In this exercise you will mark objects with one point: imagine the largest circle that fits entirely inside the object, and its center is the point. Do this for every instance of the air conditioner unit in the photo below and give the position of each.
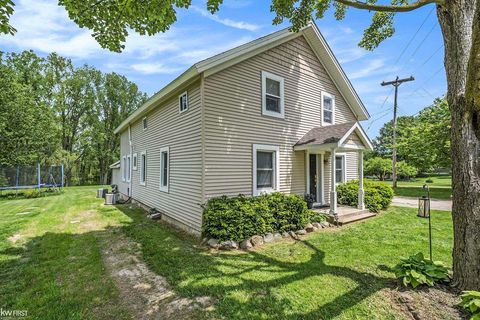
(101, 192)
(111, 198)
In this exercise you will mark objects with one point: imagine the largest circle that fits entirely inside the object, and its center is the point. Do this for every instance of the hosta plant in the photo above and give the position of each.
(471, 302)
(416, 270)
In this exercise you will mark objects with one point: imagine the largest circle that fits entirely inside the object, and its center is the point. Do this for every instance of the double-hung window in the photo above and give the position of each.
(135, 161)
(183, 102)
(273, 103)
(164, 168)
(340, 168)
(328, 108)
(129, 172)
(143, 168)
(124, 168)
(265, 169)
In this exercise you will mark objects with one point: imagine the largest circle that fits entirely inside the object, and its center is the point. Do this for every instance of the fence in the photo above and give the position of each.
(31, 177)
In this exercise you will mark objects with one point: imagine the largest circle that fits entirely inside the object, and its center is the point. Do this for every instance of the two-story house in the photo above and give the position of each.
(275, 114)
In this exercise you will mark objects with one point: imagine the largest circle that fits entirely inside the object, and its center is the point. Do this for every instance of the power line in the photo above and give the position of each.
(414, 35)
(423, 41)
(431, 56)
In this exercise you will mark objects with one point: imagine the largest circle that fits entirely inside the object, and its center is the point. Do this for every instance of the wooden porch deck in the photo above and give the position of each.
(346, 214)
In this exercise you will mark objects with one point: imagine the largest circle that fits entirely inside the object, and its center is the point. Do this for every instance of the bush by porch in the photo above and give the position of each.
(378, 196)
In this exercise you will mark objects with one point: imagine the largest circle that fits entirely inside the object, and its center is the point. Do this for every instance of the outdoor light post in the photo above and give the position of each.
(424, 212)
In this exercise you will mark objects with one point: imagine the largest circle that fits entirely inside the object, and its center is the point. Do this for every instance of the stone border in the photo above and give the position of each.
(258, 241)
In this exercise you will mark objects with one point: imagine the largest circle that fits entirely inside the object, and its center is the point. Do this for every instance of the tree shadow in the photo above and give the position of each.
(247, 284)
(58, 275)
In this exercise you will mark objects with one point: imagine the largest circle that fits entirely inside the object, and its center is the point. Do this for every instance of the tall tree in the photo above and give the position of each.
(423, 140)
(111, 21)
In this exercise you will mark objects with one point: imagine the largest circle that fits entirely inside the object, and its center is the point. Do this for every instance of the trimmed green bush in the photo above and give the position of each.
(378, 196)
(239, 218)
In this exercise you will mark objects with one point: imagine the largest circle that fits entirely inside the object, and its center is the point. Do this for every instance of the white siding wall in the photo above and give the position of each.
(180, 132)
(234, 121)
(124, 150)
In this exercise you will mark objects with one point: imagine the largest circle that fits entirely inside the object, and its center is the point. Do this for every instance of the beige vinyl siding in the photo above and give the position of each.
(181, 132)
(234, 120)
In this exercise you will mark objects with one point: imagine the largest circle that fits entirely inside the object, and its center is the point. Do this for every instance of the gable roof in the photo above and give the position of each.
(333, 135)
(233, 56)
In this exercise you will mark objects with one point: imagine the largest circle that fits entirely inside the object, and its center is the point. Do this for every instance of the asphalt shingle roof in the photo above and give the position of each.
(326, 134)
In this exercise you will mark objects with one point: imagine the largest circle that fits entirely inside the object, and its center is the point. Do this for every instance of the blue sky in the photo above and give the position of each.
(152, 62)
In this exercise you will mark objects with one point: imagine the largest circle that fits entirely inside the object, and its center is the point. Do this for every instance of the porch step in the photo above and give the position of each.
(352, 217)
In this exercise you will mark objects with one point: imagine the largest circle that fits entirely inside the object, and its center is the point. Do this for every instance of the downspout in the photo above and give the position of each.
(130, 167)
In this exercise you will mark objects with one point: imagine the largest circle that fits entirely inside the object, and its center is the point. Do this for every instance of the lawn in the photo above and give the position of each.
(440, 188)
(51, 263)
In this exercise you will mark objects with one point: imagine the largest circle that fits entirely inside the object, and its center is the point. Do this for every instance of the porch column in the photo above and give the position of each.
(361, 192)
(333, 188)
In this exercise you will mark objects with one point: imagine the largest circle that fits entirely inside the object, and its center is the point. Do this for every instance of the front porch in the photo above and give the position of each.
(346, 214)
(334, 155)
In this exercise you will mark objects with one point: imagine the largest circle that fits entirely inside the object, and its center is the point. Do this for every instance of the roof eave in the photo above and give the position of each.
(335, 71)
(161, 95)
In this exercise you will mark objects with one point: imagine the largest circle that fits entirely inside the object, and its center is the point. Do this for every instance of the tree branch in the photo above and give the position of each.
(388, 8)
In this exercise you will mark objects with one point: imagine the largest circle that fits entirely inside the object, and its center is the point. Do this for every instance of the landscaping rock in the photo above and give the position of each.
(294, 235)
(268, 238)
(301, 232)
(325, 224)
(228, 245)
(256, 241)
(317, 225)
(246, 244)
(277, 235)
(309, 228)
(204, 241)
(285, 234)
(213, 243)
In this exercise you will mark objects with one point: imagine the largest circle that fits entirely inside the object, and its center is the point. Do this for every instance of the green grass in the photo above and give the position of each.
(56, 271)
(440, 188)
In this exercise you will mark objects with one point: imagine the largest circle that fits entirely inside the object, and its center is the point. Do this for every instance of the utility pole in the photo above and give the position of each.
(396, 83)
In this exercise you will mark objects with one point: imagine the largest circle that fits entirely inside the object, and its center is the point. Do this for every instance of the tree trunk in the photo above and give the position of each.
(460, 24)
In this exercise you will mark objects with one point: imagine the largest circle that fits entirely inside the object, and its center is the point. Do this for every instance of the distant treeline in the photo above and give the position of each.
(52, 112)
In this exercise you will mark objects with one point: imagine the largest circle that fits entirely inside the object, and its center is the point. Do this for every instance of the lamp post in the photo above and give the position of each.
(424, 212)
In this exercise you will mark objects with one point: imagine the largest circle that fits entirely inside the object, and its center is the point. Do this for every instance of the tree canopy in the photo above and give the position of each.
(422, 140)
(52, 112)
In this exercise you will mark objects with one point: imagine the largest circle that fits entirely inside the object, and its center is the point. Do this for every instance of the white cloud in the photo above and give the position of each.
(154, 68)
(226, 22)
(45, 27)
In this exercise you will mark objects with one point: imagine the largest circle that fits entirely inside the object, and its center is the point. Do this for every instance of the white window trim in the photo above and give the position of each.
(135, 161)
(143, 183)
(129, 166)
(123, 166)
(266, 112)
(331, 96)
(276, 182)
(165, 188)
(179, 102)
(143, 123)
(344, 171)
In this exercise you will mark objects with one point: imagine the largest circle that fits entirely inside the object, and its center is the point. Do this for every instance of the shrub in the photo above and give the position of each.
(378, 167)
(416, 270)
(406, 171)
(318, 217)
(378, 196)
(32, 193)
(471, 302)
(429, 180)
(241, 217)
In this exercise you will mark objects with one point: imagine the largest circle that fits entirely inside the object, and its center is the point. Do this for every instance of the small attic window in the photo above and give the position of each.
(183, 102)
(145, 124)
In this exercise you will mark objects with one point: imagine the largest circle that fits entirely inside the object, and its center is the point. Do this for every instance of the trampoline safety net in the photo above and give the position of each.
(29, 177)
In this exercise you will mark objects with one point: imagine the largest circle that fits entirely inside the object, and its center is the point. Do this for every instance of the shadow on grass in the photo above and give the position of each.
(61, 275)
